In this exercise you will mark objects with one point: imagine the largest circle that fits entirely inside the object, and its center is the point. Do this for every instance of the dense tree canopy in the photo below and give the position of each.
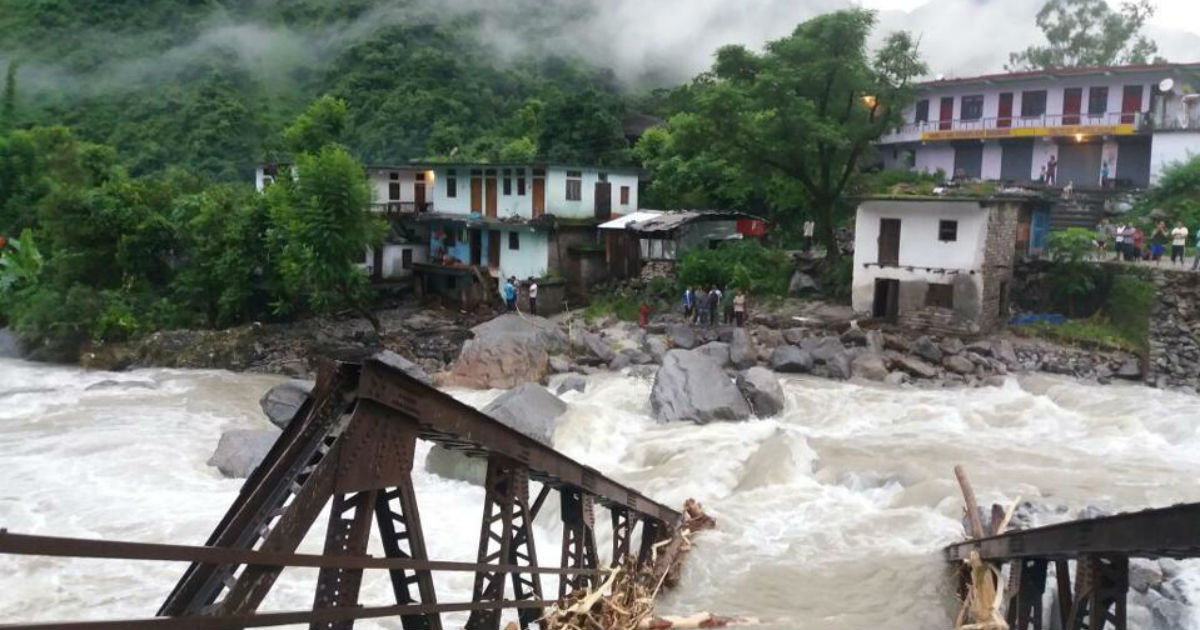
(1088, 33)
(791, 125)
(207, 85)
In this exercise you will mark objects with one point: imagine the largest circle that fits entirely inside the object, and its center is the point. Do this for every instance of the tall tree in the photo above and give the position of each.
(793, 122)
(1088, 33)
(8, 100)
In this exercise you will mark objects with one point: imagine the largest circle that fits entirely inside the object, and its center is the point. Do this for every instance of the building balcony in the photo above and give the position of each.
(1041, 126)
(396, 208)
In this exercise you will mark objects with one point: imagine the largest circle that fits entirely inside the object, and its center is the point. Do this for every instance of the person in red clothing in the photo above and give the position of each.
(644, 314)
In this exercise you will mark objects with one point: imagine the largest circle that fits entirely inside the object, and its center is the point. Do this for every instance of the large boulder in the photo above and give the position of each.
(869, 366)
(718, 351)
(927, 349)
(240, 451)
(839, 366)
(790, 359)
(10, 345)
(743, 353)
(682, 336)
(529, 408)
(657, 347)
(801, 284)
(690, 386)
(281, 402)
(1003, 349)
(596, 346)
(912, 365)
(505, 352)
(762, 390)
(824, 349)
(958, 363)
(572, 382)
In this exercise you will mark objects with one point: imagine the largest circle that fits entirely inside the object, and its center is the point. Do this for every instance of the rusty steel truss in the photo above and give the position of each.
(350, 446)
(1101, 549)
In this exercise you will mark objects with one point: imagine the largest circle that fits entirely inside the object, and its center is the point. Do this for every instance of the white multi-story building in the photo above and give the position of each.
(1125, 122)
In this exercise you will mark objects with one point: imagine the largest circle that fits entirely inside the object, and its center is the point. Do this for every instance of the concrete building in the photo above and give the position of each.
(1128, 121)
(523, 220)
(936, 263)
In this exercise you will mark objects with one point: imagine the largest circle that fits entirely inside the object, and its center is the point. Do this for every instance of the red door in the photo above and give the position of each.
(1131, 103)
(947, 114)
(1004, 117)
(1072, 99)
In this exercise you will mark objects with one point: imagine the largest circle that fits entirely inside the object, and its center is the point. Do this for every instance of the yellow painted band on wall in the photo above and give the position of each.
(1030, 132)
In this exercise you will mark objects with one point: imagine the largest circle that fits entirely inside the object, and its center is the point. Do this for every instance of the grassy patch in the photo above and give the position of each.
(1094, 332)
(601, 306)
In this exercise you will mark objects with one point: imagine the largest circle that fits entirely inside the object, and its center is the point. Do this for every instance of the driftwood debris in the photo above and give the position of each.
(983, 590)
(626, 598)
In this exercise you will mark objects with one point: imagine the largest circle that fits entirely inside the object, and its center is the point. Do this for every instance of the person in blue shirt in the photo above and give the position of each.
(510, 294)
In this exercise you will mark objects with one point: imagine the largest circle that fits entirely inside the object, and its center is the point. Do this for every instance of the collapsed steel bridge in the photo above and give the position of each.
(1101, 549)
(352, 444)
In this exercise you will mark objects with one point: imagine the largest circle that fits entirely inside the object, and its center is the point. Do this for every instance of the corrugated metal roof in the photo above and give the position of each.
(620, 222)
(670, 221)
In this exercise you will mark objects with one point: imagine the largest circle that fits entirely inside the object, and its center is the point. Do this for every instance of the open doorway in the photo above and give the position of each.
(887, 299)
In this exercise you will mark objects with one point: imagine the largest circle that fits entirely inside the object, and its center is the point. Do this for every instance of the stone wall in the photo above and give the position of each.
(999, 254)
(1174, 349)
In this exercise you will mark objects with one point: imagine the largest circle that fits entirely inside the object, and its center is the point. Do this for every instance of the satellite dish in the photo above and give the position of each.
(1166, 84)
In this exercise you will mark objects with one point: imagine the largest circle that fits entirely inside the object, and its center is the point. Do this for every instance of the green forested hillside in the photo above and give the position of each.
(205, 85)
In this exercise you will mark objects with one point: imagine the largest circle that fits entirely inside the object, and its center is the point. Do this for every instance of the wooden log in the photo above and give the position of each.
(969, 497)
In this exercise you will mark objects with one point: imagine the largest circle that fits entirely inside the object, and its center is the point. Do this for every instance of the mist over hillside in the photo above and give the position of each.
(206, 84)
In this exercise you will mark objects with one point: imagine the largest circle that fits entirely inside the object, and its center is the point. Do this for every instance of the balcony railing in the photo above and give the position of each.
(401, 207)
(1019, 126)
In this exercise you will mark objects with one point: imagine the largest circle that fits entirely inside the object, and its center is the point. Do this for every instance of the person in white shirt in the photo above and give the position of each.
(1178, 241)
(533, 296)
(1119, 237)
(809, 228)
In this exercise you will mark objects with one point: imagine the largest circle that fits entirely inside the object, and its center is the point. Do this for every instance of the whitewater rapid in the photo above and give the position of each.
(829, 516)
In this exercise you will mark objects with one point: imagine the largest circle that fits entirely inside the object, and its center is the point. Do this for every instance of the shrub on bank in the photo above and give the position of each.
(744, 264)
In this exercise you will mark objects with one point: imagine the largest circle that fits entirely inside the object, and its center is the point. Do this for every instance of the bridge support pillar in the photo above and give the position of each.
(1101, 585)
(506, 537)
(1026, 584)
(400, 527)
(622, 533)
(578, 539)
(349, 530)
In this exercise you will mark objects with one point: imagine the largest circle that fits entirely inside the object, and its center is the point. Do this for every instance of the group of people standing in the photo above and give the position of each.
(702, 306)
(1129, 242)
(510, 289)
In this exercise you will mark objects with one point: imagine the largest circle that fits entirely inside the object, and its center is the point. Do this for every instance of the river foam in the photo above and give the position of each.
(829, 516)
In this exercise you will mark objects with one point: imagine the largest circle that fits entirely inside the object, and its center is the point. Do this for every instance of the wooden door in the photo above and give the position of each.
(1072, 102)
(886, 305)
(419, 196)
(491, 196)
(476, 246)
(1131, 103)
(603, 200)
(1004, 116)
(889, 242)
(477, 195)
(494, 249)
(946, 115)
(539, 196)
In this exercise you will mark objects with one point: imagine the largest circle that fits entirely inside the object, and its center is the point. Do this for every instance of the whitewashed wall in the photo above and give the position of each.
(1170, 147)
(919, 244)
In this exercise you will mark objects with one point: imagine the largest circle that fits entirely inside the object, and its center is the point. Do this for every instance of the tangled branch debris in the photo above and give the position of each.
(982, 586)
(626, 598)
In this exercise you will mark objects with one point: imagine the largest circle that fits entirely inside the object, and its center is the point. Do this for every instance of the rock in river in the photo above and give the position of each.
(281, 402)
(530, 409)
(241, 450)
(505, 352)
(691, 386)
(762, 390)
(790, 359)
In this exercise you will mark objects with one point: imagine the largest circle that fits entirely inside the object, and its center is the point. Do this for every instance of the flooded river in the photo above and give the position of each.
(829, 516)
